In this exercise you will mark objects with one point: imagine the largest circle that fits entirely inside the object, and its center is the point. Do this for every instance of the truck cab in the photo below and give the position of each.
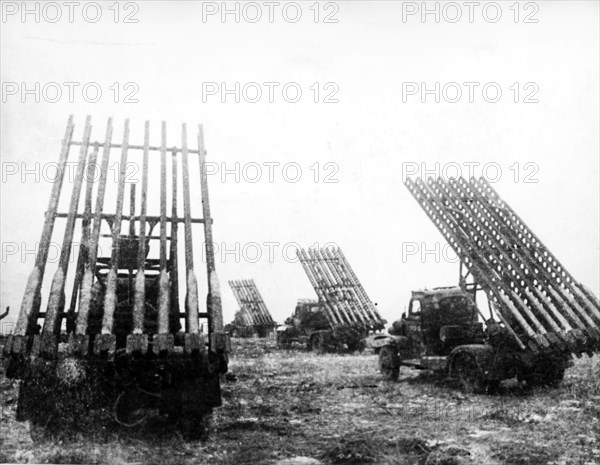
(441, 331)
(436, 322)
(309, 326)
(308, 317)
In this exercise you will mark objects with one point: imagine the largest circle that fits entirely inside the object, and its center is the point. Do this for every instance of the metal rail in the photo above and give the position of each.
(109, 306)
(30, 305)
(540, 304)
(340, 293)
(253, 311)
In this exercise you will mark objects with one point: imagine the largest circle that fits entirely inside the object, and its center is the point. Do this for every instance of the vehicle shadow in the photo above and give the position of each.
(509, 388)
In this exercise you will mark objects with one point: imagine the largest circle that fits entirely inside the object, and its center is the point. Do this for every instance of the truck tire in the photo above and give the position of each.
(469, 375)
(389, 363)
(195, 427)
(356, 345)
(40, 433)
(362, 345)
(316, 343)
(549, 377)
(554, 378)
(283, 340)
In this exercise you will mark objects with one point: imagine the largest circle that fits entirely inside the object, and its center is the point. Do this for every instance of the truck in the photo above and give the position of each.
(342, 316)
(538, 316)
(253, 318)
(118, 348)
(309, 327)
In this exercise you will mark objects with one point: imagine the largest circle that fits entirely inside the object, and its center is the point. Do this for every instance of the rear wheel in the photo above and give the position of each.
(50, 432)
(194, 427)
(389, 363)
(554, 378)
(356, 345)
(468, 373)
(493, 387)
(361, 346)
(546, 377)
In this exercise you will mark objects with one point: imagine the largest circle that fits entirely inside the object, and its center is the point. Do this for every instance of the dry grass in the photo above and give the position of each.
(337, 408)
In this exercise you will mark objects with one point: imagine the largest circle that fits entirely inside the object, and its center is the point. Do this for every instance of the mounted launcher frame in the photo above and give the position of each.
(546, 314)
(253, 317)
(123, 331)
(349, 312)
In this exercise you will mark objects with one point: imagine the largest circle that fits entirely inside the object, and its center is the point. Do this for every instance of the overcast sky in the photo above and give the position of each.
(368, 127)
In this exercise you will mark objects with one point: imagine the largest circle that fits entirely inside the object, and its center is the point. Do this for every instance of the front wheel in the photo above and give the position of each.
(468, 373)
(316, 343)
(389, 363)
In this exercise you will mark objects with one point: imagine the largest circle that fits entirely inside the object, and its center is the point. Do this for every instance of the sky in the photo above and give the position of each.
(369, 74)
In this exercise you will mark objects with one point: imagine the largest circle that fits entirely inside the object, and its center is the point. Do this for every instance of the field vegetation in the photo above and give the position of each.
(296, 407)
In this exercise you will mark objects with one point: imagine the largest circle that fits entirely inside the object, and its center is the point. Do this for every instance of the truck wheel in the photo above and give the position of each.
(389, 363)
(551, 377)
(554, 378)
(282, 341)
(316, 343)
(468, 373)
(361, 346)
(493, 387)
(195, 427)
(356, 345)
(38, 433)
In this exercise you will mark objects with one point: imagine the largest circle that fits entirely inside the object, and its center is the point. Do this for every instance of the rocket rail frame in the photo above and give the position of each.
(253, 312)
(342, 296)
(543, 307)
(27, 339)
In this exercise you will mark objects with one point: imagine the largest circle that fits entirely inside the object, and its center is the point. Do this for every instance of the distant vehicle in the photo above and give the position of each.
(253, 319)
(309, 327)
(342, 316)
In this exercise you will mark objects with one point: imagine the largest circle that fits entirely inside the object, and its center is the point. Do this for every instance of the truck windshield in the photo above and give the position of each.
(415, 308)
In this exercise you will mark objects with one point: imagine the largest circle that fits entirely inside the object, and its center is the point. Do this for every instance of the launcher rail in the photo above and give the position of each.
(342, 296)
(253, 313)
(152, 326)
(530, 291)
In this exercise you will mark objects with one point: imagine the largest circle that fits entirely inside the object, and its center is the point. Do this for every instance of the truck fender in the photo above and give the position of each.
(381, 340)
(483, 355)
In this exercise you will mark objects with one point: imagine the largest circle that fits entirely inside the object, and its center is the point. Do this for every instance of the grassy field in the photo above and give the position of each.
(337, 409)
